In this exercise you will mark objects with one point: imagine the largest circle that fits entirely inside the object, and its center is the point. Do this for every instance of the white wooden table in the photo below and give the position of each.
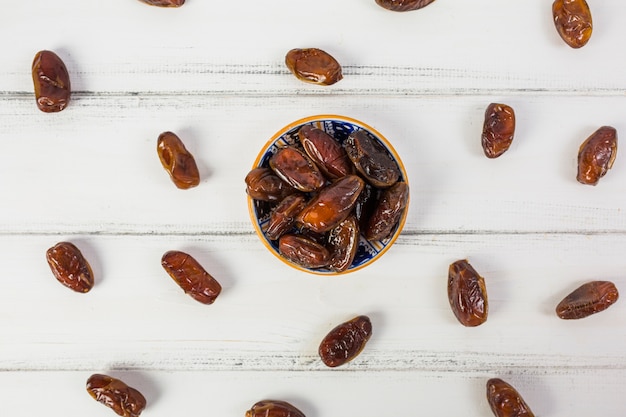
(214, 73)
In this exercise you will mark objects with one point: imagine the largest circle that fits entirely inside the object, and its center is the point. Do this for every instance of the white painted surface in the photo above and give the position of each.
(214, 73)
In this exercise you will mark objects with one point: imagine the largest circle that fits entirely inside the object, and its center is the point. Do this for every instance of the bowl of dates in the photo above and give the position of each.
(327, 194)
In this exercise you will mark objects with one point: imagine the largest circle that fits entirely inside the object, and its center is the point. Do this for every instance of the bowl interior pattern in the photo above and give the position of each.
(340, 129)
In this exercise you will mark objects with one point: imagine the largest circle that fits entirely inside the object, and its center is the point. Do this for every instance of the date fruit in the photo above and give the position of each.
(314, 66)
(262, 184)
(588, 299)
(164, 3)
(177, 161)
(467, 294)
(303, 251)
(498, 129)
(371, 159)
(273, 408)
(332, 204)
(343, 242)
(191, 276)
(596, 155)
(297, 169)
(115, 394)
(505, 401)
(345, 342)
(52, 82)
(403, 5)
(572, 19)
(388, 211)
(70, 267)
(325, 151)
(283, 216)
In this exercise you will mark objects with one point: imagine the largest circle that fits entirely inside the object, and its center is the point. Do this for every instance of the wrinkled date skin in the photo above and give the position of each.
(498, 129)
(164, 3)
(343, 242)
(297, 169)
(596, 155)
(332, 204)
(191, 276)
(467, 294)
(70, 267)
(371, 159)
(274, 408)
(325, 151)
(572, 19)
(505, 401)
(283, 216)
(388, 212)
(51, 81)
(403, 5)
(345, 342)
(262, 184)
(314, 66)
(177, 161)
(303, 251)
(115, 394)
(588, 299)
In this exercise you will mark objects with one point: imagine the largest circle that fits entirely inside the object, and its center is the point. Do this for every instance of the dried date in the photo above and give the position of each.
(164, 3)
(115, 394)
(403, 5)
(392, 203)
(505, 401)
(596, 155)
(325, 151)
(371, 159)
(262, 184)
(297, 169)
(314, 66)
(572, 19)
(283, 216)
(273, 408)
(467, 294)
(344, 343)
(70, 267)
(332, 204)
(177, 161)
(588, 299)
(303, 251)
(51, 81)
(498, 129)
(191, 276)
(343, 242)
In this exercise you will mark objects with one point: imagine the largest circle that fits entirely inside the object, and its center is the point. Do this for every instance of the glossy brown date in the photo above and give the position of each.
(283, 216)
(314, 66)
(164, 3)
(177, 161)
(332, 204)
(343, 242)
(505, 401)
(325, 151)
(51, 81)
(388, 211)
(588, 299)
(297, 169)
(262, 184)
(572, 19)
(467, 294)
(596, 155)
(303, 251)
(498, 129)
(191, 276)
(115, 394)
(371, 159)
(344, 343)
(403, 5)
(70, 267)
(273, 408)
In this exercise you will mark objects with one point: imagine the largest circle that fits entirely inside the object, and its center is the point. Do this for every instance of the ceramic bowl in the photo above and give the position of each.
(339, 127)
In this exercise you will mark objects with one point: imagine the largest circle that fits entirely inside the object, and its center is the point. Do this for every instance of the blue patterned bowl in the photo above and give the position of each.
(340, 128)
